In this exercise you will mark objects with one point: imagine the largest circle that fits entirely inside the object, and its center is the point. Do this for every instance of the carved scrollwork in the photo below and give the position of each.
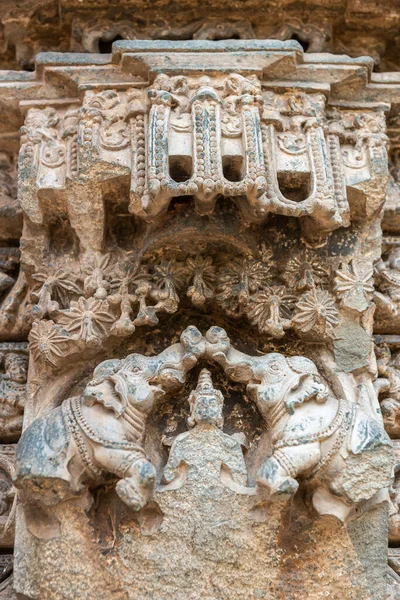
(292, 143)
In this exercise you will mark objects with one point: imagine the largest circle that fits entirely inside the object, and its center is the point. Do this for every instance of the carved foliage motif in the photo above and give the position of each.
(99, 301)
(106, 312)
(354, 286)
(110, 297)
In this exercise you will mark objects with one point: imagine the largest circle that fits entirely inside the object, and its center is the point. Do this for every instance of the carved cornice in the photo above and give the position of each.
(344, 27)
(62, 79)
(149, 118)
(261, 102)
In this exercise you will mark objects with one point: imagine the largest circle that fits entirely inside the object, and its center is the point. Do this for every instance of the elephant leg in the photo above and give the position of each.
(137, 475)
(277, 476)
(136, 488)
(274, 481)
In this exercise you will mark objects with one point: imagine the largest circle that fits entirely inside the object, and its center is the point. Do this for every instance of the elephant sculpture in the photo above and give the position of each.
(99, 437)
(338, 450)
(342, 453)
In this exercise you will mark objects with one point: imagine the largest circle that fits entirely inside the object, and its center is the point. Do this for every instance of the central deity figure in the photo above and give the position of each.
(204, 452)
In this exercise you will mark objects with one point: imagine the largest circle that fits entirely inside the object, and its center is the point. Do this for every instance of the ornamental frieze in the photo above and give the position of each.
(204, 138)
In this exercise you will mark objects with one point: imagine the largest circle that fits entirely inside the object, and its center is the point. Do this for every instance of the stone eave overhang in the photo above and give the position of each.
(62, 78)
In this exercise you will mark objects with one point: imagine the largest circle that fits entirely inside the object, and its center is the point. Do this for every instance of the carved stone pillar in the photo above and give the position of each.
(201, 229)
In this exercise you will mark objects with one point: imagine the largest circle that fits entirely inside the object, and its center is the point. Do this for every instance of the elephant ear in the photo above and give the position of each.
(102, 387)
(301, 364)
(306, 387)
(121, 395)
(105, 369)
(104, 393)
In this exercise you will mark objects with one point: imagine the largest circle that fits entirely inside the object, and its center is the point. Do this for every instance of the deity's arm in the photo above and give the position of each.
(176, 457)
(232, 458)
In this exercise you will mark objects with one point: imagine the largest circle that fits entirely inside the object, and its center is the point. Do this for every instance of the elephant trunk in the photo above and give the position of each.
(267, 396)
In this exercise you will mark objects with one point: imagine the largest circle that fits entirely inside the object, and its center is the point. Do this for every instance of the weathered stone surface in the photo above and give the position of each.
(6, 574)
(201, 526)
(199, 274)
(12, 389)
(169, 197)
(350, 27)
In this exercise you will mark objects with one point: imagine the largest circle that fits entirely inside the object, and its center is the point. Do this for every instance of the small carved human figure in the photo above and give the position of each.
(388, 387)
(99, 437)
(205, 453)
(12, 393)
(341, 452)
(387, 283)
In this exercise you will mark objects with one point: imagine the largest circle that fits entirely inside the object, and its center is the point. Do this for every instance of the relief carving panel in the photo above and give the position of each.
(199, 269)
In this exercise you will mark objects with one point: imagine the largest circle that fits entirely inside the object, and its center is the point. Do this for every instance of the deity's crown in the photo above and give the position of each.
(205, 387)
(205, 383)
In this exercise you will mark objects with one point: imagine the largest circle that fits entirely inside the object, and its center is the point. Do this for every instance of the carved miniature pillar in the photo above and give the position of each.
(201, 229)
